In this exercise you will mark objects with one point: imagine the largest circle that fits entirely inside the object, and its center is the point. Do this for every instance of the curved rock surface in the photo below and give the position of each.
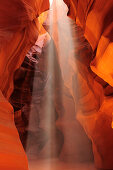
(95, 89)
(19, 29)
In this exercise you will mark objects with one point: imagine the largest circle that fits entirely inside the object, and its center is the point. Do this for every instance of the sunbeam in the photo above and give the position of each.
(50, 1)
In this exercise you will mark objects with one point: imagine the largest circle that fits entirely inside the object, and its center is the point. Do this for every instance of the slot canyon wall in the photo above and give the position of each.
(94, 77)
(19, 29)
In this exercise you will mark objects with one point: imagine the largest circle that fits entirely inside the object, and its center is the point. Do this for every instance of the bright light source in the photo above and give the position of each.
(50, 1)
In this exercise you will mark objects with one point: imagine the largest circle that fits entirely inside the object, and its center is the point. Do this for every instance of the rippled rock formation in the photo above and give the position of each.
(19, 29)
(94, 76)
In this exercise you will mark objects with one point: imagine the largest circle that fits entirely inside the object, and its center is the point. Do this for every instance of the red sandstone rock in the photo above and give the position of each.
(95, 18)
(18, 33)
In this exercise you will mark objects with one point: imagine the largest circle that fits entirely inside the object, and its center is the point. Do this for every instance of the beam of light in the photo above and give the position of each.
(50, 1)
(65, 45)
(61, 32)
(65, 41)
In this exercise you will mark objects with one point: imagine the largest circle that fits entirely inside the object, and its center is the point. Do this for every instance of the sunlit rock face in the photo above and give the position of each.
(94, 77)
(95, 18)
(19, 29)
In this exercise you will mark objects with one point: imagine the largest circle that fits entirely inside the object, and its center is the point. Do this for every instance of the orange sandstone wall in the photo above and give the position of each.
(95, 101)
(95, 18)
(18, 32)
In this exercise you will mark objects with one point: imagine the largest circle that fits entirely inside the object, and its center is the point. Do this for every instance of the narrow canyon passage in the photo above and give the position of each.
(57, 84)
(53, 138)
